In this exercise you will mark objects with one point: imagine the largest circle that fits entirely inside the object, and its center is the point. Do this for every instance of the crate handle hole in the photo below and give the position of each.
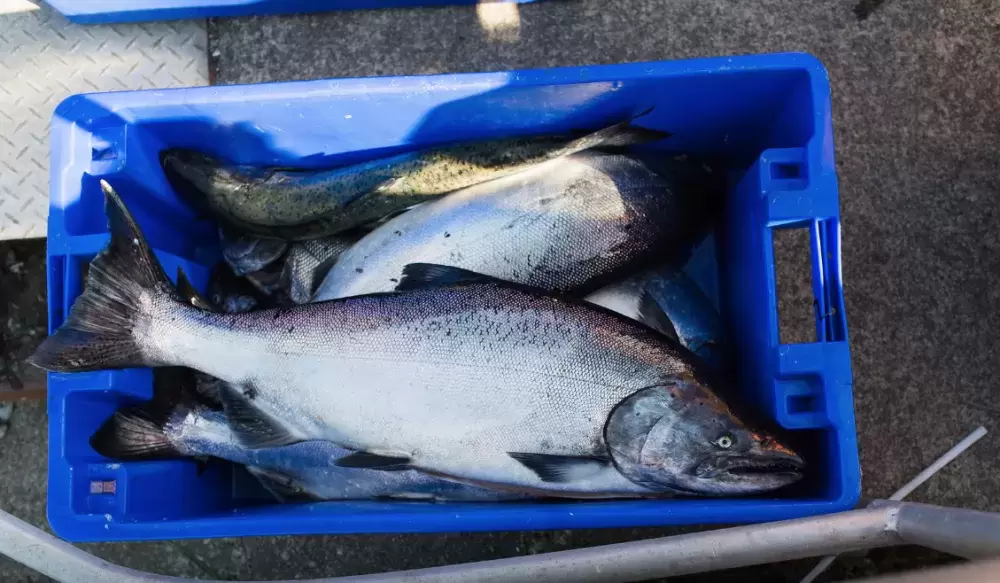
(103, 153)
(794, 285)
(799, 404)
(786, 171)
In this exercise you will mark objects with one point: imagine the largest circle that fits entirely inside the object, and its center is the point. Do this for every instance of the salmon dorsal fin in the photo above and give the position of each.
(187, 291)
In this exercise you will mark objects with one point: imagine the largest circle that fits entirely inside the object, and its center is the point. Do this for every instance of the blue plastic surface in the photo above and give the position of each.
(768, 115)
(103, 11)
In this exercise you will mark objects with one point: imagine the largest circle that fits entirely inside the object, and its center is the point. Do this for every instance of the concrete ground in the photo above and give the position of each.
(917, 123)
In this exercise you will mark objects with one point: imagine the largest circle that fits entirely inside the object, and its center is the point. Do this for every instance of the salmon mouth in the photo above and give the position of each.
(748, 467)
(766, 467)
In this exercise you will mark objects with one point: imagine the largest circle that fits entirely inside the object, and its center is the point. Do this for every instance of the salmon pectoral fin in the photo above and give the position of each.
(651, 314)
(431, 275)
(561, 468)
(374, 461)
(253, 428)
(280, 485)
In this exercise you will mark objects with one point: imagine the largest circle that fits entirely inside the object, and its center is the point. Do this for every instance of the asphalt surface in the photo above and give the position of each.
(917, 129)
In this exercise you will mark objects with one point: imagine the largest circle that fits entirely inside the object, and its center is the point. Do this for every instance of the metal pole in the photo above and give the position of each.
(948, 457)
(964, 533)
(678, 555)
(918, 480)
(632, 561)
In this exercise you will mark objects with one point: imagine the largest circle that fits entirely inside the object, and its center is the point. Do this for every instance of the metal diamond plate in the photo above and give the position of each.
(45, 58)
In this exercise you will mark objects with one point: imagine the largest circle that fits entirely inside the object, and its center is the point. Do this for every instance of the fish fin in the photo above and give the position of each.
(561, 468)
(204, 390)
(135, 433)
(232, 293)
(187, 291)
(98, 333)
(643, 113)
(430, 275)
(269, 281)
(652, 315)
(253, 428)
(620, 135)
(374, 461)
(173, 386)
(281, 485)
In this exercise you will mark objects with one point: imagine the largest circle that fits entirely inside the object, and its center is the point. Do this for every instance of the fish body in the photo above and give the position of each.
(399, 389)
(304, 203)
(565, 225)
(456, 374)
(670, 302)
(304, 470)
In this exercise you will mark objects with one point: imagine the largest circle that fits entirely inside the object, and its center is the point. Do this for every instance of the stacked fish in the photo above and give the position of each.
(474, 322)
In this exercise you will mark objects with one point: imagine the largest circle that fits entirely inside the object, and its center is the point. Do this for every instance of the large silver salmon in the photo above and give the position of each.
(565, 225)
(301, 204)
(457, 375)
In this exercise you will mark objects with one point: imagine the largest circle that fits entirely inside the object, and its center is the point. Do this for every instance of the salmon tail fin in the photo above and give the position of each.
(136, 433)
(99, 332)
(620, 135)
(140, 432)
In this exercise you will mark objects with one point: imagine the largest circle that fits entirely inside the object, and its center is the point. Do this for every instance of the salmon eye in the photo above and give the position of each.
(725, 442)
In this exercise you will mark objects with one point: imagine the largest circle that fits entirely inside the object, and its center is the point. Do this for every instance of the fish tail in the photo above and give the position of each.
(620, 135)
(140, 432)
(136, 433)
(99, 332)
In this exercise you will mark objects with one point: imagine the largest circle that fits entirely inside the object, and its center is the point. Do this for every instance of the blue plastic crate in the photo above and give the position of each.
(102, 11)
(768, 115)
